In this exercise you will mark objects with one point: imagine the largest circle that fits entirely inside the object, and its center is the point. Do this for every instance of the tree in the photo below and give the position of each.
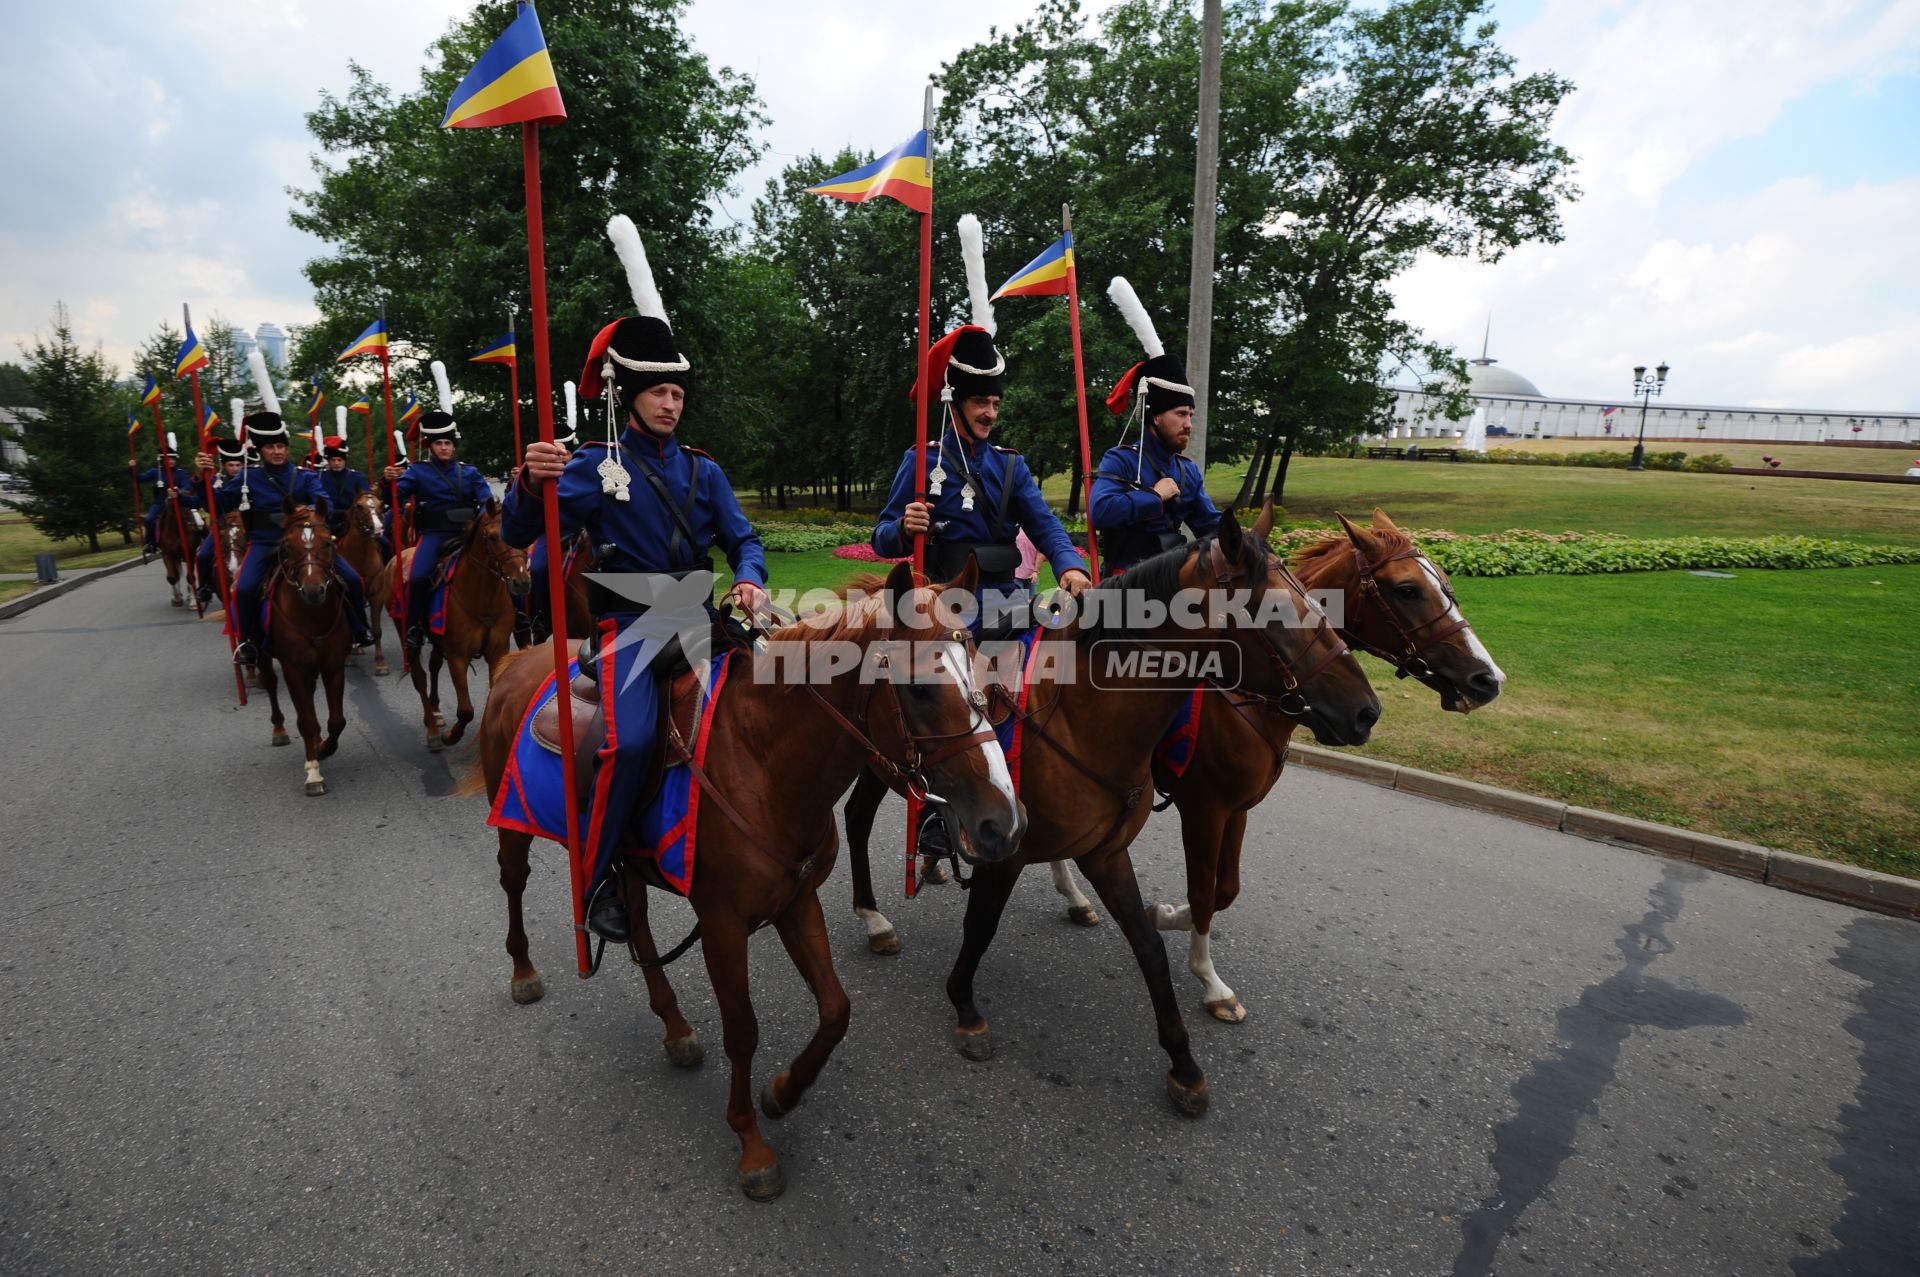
(433, 221)
(74, 451)
(14, 389)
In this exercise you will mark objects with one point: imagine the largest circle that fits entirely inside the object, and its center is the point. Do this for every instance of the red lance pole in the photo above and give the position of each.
(922, 409)
(133, 474)
(386, 390)
(166, 475)
(1080, 394)
(550, 508)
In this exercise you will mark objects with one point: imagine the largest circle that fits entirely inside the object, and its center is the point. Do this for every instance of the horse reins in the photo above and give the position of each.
(1411, 658)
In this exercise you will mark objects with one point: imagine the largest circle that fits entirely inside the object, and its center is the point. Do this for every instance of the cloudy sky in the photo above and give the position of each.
(1751, 168)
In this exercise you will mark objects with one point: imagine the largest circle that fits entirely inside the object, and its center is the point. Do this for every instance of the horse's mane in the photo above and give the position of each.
(854, 621)
(1316, 554)
(1157, 579)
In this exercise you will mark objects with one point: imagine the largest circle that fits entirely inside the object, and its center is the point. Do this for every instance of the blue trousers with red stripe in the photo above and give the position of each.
(252, 578)
(426, 556)
(630, 704)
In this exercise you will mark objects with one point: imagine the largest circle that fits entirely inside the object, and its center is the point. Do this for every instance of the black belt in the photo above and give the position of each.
(602, 601)
(454, 520)
(946, 560)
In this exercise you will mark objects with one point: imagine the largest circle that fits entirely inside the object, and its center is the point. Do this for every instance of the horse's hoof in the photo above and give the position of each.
(1188, 1101)
(1228, 1011)
(764, 1184)
(687, 1052)
(934, 874)
(770, 1100)
(281, 738)
(529, 990)
(179, 602)
(433, 743)
(975, 1044)
(1083, 916)
(315, 788)
(887, 943)
(380, 669)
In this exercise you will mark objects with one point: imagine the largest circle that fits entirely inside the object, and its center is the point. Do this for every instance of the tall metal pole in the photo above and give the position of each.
(1206, 195)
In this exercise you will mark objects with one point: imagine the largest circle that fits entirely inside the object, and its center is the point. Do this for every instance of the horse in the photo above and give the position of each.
(1400, 607)
(361, 547)
(766, 832)
(480, 619)
(1085, 759)
(579, 616)
(175, 522)
(308, 636)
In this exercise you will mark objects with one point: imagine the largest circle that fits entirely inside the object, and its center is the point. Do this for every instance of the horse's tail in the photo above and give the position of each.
(474, 783)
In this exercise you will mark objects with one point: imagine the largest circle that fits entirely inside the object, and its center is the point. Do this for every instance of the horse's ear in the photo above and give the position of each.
(1232, 540)
(286, 504)
(900, 591)
(969, 578)
(1358, 535)
(493, 505)
(1381, 523)
(1263, 526)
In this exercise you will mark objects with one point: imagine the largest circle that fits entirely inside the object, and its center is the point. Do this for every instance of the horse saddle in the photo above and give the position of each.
(679, 704)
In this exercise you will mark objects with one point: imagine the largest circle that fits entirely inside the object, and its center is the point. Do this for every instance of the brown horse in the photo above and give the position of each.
(1087, 749)
(366, 520)
(579, 615)
(480, 619)
(1400, 607)
(175, 521)
(766, 834)
(309, 637)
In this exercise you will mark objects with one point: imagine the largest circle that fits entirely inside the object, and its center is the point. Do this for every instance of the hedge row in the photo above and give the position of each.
(1523, 552)
(1705, 463)
(795, 538)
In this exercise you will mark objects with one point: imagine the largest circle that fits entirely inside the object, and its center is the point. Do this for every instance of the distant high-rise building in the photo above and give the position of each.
(243, 345)
(273, 344)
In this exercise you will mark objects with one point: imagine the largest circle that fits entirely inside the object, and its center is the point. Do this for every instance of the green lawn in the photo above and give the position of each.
(14, 589)
(1791, 456)
(1490, 498)
(19, 542)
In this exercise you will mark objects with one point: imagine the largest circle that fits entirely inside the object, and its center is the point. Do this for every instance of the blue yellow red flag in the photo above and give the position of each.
(512, 83)
(319, 395)
(362, 406)
(1044, 276)
(192, 356)
(904, 173)
(501, 352)
(151, 395)
(208, 421)
(370, 342)
(410, 412)
(133, 424)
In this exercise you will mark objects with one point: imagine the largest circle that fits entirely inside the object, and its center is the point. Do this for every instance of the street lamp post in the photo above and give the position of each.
(1645, 386)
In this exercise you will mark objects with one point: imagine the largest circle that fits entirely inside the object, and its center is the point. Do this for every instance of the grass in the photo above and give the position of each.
(1791, 456)
(1488, 498)
(19, 542)
(14, 589)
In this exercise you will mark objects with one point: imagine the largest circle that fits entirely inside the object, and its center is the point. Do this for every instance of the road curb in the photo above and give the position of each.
(46, 594)
(1807, 875)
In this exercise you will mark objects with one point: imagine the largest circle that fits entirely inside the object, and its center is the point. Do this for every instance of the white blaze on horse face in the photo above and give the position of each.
(954, 657)
(1474, 645)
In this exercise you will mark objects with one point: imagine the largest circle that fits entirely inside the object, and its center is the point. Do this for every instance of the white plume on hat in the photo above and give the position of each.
(973, 251)
(440, 383)
(340, 417)
(1136, 316)
(573, 408)
(633, 256)
(263, 381)
(239, 409)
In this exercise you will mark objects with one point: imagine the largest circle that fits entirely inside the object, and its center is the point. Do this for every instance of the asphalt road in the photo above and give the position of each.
(250, 1032)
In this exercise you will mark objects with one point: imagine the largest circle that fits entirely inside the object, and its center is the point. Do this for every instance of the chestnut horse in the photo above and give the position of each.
(175, 521)
(366, 520)
(1087, 749)
(308, 636)
(480, 619)
(1400, 607)
(766, 834)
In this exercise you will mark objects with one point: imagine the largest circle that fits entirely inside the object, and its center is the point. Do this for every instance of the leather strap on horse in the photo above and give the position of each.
(1410, 660)
(1129, 795)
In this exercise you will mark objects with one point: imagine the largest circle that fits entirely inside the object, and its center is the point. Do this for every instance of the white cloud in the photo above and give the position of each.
(1803, 291)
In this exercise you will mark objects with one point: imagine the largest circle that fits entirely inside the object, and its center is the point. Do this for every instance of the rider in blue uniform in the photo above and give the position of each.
(1143, 493)
(447, 494)
(264, 489)
(982, 494)
(156, 474)
(343, 485)
(651, 505)
(232, 456)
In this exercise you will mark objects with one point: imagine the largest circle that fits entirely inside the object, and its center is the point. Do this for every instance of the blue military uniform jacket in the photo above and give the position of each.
(435, 487)
(183, 481)
(641, 534)
(1130, 519)
(267, 487)
(995, 470)
(342, 489)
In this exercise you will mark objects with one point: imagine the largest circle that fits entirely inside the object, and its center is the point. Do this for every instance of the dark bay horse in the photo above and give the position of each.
(480, 620)
(309, 637)
(1086, 759)
(762, 862)
(366, 520)
(177, 521)
(1399, 606)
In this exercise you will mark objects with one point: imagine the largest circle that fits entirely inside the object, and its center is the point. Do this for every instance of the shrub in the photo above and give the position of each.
(796, 538)
(1529, 552)
(1609, 460)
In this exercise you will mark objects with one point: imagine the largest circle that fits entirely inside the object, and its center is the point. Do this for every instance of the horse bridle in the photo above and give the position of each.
(354, 513)
(911, 771)
(1414, 642)
(1292, 700)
